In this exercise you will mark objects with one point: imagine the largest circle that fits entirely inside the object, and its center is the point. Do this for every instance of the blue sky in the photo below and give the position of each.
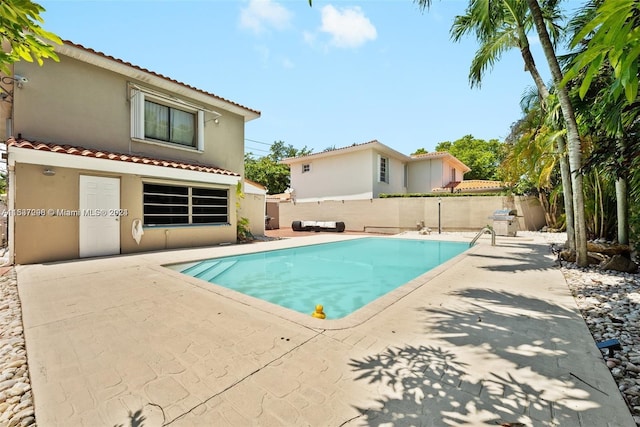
(338, 73)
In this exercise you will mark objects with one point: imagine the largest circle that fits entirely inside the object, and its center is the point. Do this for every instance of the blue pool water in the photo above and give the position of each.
(342, 276)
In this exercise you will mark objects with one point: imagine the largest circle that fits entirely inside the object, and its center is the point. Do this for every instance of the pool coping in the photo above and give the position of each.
(356, 318)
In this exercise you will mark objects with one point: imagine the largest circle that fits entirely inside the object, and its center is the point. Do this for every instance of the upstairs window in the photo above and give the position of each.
(181, 205)
(155, 118)
(383, 169)
(169, 124)
(306, 168)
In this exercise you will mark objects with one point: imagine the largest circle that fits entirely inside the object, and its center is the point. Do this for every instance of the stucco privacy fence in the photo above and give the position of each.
(393, 215)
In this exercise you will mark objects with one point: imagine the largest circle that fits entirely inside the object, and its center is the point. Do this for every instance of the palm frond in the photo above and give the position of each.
(422, 4)
(530, 99)
(488, 54)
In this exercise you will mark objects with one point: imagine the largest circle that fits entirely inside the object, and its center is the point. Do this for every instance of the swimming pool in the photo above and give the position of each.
(342, 276)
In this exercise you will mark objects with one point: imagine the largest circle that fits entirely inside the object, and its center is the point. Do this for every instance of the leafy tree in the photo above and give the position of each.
(419, 151)
(268, 171)
(20, 29)
(280, 150)
(531, 166)
(483, 157)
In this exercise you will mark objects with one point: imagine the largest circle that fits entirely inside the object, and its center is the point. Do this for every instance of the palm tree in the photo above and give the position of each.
(573, 136)
(500, 26)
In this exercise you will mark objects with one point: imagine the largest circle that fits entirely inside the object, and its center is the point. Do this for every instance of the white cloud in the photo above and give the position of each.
(261, 14)
(308, 37)
(348, 27)
(287, 63)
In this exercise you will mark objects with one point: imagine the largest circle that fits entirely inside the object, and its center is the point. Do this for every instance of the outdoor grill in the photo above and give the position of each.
(505, 222)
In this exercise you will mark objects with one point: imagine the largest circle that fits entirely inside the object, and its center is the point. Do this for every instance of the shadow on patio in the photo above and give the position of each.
(528, 375)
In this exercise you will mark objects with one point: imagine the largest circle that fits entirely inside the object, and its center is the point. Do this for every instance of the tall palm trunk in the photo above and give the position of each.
(573, 136)
(622, 207)
(567, 190)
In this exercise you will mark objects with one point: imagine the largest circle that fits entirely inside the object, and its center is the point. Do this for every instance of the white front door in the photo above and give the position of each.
(99, 220)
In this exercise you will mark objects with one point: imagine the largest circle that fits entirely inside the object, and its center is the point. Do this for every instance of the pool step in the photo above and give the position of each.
(198, 268)
(214, 270)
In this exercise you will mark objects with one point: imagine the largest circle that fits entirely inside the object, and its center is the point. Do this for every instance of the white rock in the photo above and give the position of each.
(7, 384)
(15, 420)
(16, 363)
(19, 388)
(27, 421)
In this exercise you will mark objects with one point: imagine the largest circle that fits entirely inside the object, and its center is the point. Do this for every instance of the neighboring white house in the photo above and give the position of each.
(363, 171)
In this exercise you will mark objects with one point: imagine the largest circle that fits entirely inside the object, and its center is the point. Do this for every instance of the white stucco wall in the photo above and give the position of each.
(393, 215)
(395, 174)
(425, 175)
(343, 177)
(447, 173)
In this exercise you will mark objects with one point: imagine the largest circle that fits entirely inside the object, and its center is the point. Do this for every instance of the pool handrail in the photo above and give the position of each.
(481, 232)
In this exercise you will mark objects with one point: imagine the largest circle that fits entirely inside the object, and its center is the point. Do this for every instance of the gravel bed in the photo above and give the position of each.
(610, 305)
(16, 403)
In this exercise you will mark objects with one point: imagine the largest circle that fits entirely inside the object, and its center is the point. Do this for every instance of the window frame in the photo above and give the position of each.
(170, 115)
(406, 175)
(383, 170)
(138, 98)
(306, 167)
(191, 207)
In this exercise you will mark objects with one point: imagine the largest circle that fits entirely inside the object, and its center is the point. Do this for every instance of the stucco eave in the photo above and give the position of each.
(445, 156)
(154, 80)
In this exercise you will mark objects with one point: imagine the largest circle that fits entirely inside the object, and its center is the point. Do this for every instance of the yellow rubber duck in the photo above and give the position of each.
(319, 313)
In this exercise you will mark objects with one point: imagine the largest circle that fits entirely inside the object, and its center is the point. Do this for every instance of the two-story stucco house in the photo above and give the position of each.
(363, 171)
(107, 157)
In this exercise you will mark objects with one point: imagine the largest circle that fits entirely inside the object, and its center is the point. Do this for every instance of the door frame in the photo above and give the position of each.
(101, 213)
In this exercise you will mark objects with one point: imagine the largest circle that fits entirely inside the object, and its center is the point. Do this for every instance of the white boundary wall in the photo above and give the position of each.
(394, 215)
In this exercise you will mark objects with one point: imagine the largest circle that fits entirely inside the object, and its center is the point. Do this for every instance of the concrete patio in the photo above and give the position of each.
(492, 337)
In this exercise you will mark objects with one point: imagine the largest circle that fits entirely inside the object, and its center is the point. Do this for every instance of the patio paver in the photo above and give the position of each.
(494, 337)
